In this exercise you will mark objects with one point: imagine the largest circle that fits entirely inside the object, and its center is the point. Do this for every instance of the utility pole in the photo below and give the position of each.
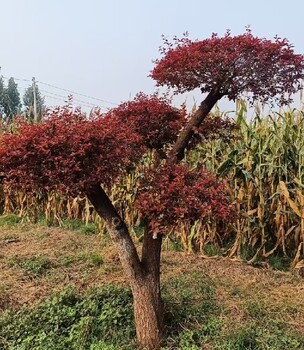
(35, 100)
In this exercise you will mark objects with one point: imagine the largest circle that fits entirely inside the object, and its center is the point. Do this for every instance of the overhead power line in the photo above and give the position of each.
(16, 79)
(64, 98)
(77, 93)
(88, 103)
(84, 104)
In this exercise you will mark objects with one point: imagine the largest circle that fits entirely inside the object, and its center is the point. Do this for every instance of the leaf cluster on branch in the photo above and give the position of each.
(173, 193)
(153, 118)
(68, 152)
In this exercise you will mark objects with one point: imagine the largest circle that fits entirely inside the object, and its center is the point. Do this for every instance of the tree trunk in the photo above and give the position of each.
(148, 312)
(148, 304)
(144, 276)
(118, 232)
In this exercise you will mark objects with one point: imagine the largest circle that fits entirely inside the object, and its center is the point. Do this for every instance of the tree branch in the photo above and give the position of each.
(177, 152)
(151, 248)
(118, 231)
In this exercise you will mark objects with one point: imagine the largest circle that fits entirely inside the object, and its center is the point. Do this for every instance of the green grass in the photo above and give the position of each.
(255, 336)
(77, 225)
(95, 259)
(88, 229)
(102, 319)
(278, 262)
(92, 259)
(211, 250)
(70, 224)
(68, 260)
(9, 220)
(33, 266)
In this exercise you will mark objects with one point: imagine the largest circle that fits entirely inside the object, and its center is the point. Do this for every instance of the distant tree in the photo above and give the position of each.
(28, 102)
(11, 99)
(72, 153)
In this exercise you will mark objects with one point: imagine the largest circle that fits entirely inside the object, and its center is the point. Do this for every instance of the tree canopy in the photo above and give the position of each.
(231, 66)
(68, 152)
(152, 117)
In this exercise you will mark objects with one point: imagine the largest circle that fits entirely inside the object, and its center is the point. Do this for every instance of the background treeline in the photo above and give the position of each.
(12, 104)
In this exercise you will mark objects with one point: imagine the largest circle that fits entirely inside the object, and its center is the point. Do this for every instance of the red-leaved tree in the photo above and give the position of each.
(71, 153)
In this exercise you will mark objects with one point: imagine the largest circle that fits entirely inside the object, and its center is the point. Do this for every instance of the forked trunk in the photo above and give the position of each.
(144, 275)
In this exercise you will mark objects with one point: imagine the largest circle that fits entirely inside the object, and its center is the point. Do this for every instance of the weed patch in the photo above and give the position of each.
(101, 319)
(9, 220)
(33, 266)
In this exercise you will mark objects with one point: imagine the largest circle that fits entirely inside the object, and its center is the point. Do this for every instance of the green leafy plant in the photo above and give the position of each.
(69, 321)
(33, 266)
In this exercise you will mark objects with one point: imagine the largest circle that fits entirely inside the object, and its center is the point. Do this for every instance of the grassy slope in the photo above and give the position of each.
(213, 303)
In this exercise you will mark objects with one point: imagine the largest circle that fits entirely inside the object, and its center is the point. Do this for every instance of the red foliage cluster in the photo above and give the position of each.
(231, 65)
(68, 152)
(174, 194)
(153, 118)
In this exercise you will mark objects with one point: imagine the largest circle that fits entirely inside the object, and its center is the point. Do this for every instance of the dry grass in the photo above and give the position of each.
(242, 290)
(70, 264)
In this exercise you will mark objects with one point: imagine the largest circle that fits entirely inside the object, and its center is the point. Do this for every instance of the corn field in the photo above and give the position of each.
(263, 166)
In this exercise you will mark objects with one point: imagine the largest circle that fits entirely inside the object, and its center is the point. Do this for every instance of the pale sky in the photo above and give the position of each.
(105, 49)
